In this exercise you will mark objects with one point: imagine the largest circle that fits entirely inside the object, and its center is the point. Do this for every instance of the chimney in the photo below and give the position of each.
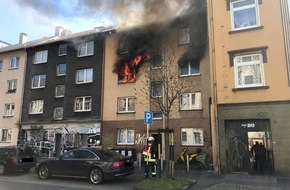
(65, 32)
(58, 31)
(22, 38)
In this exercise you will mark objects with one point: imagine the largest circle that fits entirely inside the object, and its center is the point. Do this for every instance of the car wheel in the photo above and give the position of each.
(2, 169)
(96, 176)
(43, 172)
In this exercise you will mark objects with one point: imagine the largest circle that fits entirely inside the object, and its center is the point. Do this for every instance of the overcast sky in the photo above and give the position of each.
(38, 18)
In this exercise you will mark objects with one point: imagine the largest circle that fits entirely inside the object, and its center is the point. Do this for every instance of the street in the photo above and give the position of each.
(29, 181)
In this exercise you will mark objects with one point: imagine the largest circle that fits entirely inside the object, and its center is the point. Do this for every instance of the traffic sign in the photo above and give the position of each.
(148, 117)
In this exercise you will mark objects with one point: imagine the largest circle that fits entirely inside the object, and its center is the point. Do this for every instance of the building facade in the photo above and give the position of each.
(249, 52)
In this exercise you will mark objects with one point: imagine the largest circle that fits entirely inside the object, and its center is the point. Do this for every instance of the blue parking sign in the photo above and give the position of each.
(148, 117)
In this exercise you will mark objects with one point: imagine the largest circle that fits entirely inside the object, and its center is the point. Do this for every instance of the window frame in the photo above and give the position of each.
(43, 58)
(9, 110)
(122, 136)
(56, 114)
(12, 85)
(58, 69)
(6, 135)
(83, 104)
(61, 47)
(39, 106)
(85, 78)
(155, 59)
(183, 31)
(191, 139)
(155, 93)
(197, 105)
(57, 89)
(86, 46)
(14, 63)
(190, 65)
(39, 81)
(126, 104)
(242, 8)
(241, 64)
(157, 115)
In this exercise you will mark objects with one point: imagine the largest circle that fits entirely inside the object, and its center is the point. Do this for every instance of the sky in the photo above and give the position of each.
(38, 18)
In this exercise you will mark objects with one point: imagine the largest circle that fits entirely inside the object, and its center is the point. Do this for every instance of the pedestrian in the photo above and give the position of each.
(257, 151)
(150, 154)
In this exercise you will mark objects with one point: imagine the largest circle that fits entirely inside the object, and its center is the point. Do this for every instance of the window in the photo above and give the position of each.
(1, 65)
(125, 136)
(249, 71)
(12, 84)
(59, 91)
(38, 81)
(9, 109)
(156, 61)
(189, 68)
(58, 113)
(62, 50)
(6, 135)
(61, 69)
(126, 104)
(156, 88)
(14, 63)
(86, 49)
(36, 107)
(83, 104)
(157, 115)
(41, 57)
(192, 136)
(190, 101)
(244, 14)
(183, 36)
(84, 76)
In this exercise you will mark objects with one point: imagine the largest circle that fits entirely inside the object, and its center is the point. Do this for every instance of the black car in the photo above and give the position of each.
(14, 158)
(95, 164)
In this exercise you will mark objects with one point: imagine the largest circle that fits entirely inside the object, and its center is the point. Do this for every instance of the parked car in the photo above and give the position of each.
(14, 158)
(95, 164)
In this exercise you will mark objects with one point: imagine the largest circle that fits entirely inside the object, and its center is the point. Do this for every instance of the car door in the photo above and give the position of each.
(83, 162)
(65, 164)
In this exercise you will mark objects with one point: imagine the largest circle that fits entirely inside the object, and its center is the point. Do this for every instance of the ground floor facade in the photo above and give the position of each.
(240, 126)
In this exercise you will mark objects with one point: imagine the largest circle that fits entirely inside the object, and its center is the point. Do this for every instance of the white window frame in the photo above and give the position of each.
(14, 63)
(192, 137)
(6, 135)
(9, 110)
(125, 136)
(190, 101)
(38, 79)
(240, 63)
(58, 93)
(126, 104)
(83, 49)
(83, 104)
(61, 47)
(189, 67)
(40, 57)
(234, 10)
(12, 85)
(58, 113)
(85, 78)
(36, 107)
(156, 62)
(58, 70)
(156, 89)
(183, 36)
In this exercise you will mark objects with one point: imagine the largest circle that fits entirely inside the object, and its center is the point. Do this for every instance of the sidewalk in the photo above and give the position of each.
(209, 180)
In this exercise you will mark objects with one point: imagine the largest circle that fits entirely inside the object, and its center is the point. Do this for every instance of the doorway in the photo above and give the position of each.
(240, 138)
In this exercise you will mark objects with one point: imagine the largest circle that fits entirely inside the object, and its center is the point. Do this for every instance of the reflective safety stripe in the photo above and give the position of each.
(150, 159)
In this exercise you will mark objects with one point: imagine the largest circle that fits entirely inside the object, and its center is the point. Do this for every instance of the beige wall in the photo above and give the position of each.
(11, 123)
(270, 35)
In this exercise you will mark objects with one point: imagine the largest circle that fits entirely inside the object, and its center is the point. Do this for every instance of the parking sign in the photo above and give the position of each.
(148, 117)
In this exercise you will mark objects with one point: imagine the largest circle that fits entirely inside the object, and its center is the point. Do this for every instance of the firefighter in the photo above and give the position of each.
(150, 154)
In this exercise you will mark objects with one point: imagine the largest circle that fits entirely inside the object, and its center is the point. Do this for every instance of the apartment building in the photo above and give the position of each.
(135, 61)
(249, 52)
(62, 100)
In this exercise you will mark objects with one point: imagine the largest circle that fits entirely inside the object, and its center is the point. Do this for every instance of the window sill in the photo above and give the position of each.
(128, 112)
(197, 109)
(8, 116)
(246, 29)
(10, 91)
(250, 88)
(189, 75)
